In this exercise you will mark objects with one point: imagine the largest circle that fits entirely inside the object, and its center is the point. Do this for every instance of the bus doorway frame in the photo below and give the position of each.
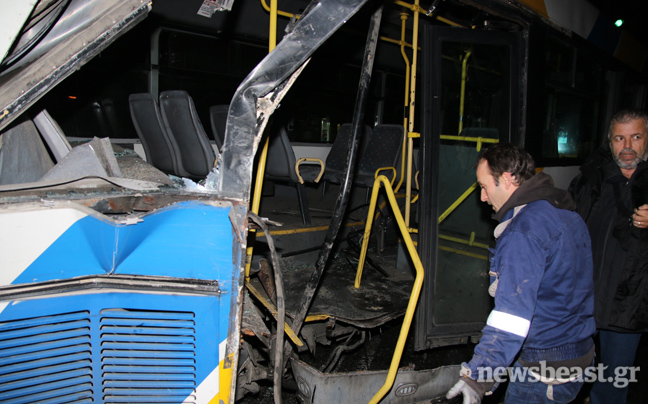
(427, 333)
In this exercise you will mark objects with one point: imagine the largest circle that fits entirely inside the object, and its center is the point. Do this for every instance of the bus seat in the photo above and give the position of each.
(281, 166)
(336, 161)
(106, 116)
(97, 110)
(218, 118)
(110, 112)
(381, 150)
(181, 121)
(160, 149)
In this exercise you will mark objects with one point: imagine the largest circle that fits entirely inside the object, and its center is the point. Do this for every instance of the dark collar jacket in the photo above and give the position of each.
(630, 300)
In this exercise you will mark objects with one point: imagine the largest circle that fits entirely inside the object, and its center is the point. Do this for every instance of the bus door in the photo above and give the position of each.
(471, 98)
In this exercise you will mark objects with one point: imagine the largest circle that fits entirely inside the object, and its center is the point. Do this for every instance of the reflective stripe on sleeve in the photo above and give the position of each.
(509, 323)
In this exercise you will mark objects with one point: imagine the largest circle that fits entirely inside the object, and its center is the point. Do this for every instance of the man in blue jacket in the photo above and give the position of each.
(541, 279)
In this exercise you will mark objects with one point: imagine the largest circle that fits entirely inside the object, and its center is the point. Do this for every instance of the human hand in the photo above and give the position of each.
(470, 396)
(640, 217)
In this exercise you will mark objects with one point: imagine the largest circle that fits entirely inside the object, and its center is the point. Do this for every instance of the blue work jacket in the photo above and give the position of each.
(544, 303)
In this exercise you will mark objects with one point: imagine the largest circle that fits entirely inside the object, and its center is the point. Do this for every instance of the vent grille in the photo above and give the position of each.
(148, 356)
(46, 359)
(119, 356)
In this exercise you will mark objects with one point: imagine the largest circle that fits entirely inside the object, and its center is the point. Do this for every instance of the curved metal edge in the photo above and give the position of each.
(244, 125)
(155, 284)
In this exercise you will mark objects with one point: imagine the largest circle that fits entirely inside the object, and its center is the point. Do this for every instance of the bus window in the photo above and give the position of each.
(475, 88)
(570, 126)
(571, 90)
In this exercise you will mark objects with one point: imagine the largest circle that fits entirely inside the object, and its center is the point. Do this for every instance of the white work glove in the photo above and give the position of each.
(470, 396)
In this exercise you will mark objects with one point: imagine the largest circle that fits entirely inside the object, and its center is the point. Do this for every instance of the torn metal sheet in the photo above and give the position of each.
(23, 156)
(91, 185)
(252, 323)
(134, 167)
(315, 387)
(95, 158)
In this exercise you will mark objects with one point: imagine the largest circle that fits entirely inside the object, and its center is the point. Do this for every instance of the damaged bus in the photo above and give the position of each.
(219, 201)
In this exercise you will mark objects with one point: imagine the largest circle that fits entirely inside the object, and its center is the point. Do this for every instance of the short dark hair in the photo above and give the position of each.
(626, 116)
(507, 157)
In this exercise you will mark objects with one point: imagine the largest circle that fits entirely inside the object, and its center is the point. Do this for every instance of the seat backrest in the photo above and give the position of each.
(218, 118)
(110, 113)
(107, 118)
(104, 128)
(160, 149)
(381, 150)
(336, 161)
(182, 123)
(281, 158)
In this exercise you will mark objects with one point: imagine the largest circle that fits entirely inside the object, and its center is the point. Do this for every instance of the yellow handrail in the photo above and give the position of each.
(393, 169)
(311, 159)
(258, 184)
(403, 17)
(456, 203)
(273, 310)
(412, 103)
(279, 12)
(418, 281)
(306, 229)
(478, 140)
(462, 252)
(456, 250)
(470, 242)
(464, 77)
(417, 8)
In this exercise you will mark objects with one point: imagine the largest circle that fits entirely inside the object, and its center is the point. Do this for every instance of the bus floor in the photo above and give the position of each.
(385, 287)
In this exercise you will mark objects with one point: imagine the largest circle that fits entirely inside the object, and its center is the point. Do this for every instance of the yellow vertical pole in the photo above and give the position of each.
(410, 142)
(462, 100)
(416, 288)
(258, 183)
(403, 16)
(273, 26)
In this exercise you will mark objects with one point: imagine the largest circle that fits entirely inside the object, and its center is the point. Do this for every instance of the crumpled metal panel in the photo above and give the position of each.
(244, 124)
(315, 387)
(252, 323)
(95, 158)
(84, 30)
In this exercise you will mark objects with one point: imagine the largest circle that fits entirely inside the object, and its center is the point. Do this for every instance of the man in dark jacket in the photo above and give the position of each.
(541, 279)
(611, 193)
